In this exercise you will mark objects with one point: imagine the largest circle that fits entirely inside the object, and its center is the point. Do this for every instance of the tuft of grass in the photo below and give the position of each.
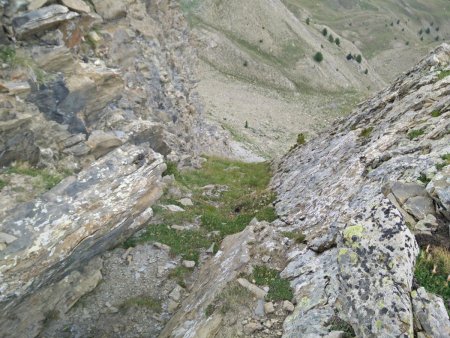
(424, 179)
(172, 169)
(150, 303)
(3, 184)
(279, 288)
(434, 280)
(440, 166)
(436, 113)
(48, 179)
(296, 236)
(179, 275)
(443, 74)
(365, 133)
(301, 139)
(7, 54)
(231, 299)
(247, 196)
(414, 134)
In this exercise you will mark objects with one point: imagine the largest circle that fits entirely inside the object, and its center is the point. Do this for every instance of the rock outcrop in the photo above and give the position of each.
(361, 188)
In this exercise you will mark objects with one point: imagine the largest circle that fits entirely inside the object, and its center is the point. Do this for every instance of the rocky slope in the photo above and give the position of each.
(100, 94)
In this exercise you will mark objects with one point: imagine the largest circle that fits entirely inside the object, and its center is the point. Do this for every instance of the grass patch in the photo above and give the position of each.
(301, 139)
(443, 74)
(432, 271)
(48, 179)
(246, 196)
(366, 132)
(3, 184)
(436, 113)
(179, 275)
(297, 236)
(279, 288)
(414, 134)
(439, 166)
(7, 54)
(424, 179)
(150, 303)
(172, 169)
(232, 298)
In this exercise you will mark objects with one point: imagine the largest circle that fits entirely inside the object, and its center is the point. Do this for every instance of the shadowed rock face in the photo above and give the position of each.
(80, 218)
(358, 180)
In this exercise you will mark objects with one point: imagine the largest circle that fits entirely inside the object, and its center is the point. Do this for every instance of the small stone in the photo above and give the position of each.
(172, 306)
(265, 259)
(210, 250)
(252, 327)
(179, 227)
(189, 264)
(268, 308)
(259, 310)
(268, 323)
(336, 334)
(187, 202)
(258, 292)
(6, 238)
(172, 208)
(288, 306)
(176, 293)
(77, 5)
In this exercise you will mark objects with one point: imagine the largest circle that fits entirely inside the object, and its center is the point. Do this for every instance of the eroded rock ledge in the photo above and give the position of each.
(359, 192)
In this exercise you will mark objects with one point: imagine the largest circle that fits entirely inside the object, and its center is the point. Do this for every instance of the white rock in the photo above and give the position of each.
(268, 308)
(189, 264)
(258, 292)
(172, 208)
(187, 202)
(288, 306)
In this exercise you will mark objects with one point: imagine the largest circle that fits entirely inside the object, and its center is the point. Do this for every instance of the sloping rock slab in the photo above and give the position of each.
(78, 219)
(40, 20)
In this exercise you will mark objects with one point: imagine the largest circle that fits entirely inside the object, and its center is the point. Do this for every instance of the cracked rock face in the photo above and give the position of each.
(335, 183)
(72, 223)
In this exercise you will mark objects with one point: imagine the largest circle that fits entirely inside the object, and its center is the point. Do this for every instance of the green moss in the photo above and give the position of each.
(3, 184)
(279, 288)
(414, 134)
(424, 179)
(436, 113)
(7, 54)
(366, 132)
(301, 139)
(443, 74)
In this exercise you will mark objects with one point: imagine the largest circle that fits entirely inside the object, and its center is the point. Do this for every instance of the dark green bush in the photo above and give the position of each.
(318, 57)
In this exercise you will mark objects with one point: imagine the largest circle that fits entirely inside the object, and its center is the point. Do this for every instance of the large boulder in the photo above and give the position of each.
(66, 227)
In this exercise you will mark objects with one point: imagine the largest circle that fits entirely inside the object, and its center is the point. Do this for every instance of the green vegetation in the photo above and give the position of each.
(171, 170)
(246, 124)
(150, 303)
(301, 139)
(432, 271)
(358, 58)
(424, 179)
(232, 298)
(415, 133)
(318, 57)
(366, 71)
(337, 41)
(439, 166)
(7, 54)
(279, 288)
(179, 274)
(436, 113)
(307, 21)
(324, 32)
(47, 179)
(3, 184)
(245, 196)
(366, 132)
(297, 236)
(443, 74)
(331, 38)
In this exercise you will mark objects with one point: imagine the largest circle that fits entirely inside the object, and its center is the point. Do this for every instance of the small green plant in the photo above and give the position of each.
(246, 124)
(432, 271)
(210, 310)
(428, 30)
(179, 274)
(366, 71)
(358, 58)
(318, 57)
(337, 41)
(415, 133)
(279, 288)
(49, 180)
(366, 132)
(436, 113)
(150, 303)
(446, 159)
(296, 236)
(349, 56)
(443, 74)
(420, 32)
(2, 184)
(331, 38)
(307, 21)
(324, 32)
(172, 169)
(7, 54)
(423, 178)
(301, 139)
